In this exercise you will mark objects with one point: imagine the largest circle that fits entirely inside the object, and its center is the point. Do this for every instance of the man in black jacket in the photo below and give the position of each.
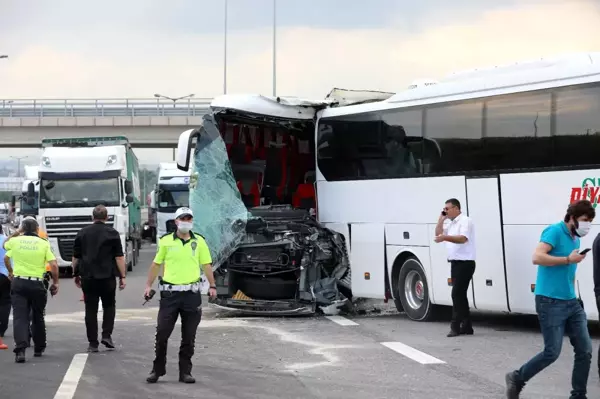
(596, 257)
(97, 260)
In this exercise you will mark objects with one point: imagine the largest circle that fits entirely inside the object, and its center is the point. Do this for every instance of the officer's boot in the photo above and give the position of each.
(154, 376)
(186, 378)
(20, 356)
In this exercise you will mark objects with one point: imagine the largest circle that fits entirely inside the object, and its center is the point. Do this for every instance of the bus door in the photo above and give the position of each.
(484, 208)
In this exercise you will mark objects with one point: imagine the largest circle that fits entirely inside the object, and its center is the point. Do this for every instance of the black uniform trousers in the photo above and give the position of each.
(4, 303)
(461, 272)
(29, 298)
(94, 290)
(188, 305)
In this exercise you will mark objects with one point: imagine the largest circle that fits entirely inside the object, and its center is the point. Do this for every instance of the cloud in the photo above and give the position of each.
(310, 61)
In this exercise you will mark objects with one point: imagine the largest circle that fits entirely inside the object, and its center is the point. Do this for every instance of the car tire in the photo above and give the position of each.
(413, 291)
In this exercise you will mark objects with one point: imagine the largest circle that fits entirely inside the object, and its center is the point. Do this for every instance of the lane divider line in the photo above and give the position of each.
(412, 353)
(342, 321)
(67, 388)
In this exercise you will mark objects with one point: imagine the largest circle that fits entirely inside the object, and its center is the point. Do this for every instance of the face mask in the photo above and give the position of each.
(583, 229)
(184, 227)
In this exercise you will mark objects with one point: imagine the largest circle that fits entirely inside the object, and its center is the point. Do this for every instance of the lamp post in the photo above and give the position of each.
(174, 99)
(274, 47)
(19, 164)
(225, 51)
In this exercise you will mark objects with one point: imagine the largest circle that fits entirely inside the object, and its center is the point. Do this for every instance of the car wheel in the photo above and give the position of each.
(413, 290)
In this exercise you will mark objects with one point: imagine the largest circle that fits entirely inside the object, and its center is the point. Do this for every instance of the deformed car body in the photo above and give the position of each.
(268, 259)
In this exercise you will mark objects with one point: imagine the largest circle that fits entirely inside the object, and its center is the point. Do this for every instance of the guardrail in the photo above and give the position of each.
(103, 107)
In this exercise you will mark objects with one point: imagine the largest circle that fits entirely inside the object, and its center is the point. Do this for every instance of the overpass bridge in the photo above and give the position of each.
(146, 122)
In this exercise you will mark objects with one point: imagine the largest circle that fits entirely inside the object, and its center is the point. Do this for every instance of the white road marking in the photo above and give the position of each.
(67, 388)
(342, 321)
(412, 353)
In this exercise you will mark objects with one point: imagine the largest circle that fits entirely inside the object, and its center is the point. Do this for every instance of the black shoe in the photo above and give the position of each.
(92, 348)
(187, 378)
(108, 343)
(466, 329)
(153, 377)
(514, 385)
(38, 352)
(20, 357)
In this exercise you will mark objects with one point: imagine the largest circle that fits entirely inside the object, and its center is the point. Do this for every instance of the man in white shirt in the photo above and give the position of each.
(457, 231)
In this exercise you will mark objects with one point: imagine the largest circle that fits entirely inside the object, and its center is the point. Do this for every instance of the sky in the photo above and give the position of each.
(135, 48)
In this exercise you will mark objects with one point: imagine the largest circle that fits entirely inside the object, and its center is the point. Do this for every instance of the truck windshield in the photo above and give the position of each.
(30, 209)
(173, 196)
(79, 193)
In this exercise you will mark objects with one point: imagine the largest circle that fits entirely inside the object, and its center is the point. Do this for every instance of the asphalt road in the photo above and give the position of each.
(378, 356)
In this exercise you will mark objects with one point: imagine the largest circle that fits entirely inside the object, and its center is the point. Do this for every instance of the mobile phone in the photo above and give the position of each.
(444, 213)
(585, 251)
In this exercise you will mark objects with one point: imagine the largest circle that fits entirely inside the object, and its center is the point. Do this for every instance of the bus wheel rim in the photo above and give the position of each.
(414, 290)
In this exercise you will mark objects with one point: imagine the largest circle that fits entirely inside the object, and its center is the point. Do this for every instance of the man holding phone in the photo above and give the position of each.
(457, 231)
(558, 308)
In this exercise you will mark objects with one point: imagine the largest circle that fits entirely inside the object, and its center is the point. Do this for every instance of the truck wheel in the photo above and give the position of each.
(129, 253)
(413, 291)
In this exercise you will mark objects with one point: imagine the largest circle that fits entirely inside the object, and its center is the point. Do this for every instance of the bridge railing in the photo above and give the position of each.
(102, 107)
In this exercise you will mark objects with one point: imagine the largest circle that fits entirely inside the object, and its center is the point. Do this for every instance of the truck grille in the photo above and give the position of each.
(65, 229)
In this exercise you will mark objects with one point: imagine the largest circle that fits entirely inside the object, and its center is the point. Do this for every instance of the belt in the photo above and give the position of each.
(30, 278)
(195, 287)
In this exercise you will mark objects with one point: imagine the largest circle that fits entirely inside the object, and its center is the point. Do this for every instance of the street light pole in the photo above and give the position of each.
(274, 47)
(173, 99)
(19, 164)
(225, 51)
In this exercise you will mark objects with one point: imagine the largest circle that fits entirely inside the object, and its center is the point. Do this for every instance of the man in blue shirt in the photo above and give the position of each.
(559, 311)
(4, 293)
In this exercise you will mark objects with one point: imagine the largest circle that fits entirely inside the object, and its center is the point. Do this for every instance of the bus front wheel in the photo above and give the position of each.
(413, 290)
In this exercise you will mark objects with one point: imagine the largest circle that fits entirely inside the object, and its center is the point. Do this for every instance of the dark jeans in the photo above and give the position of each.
(461, 272)
(29, 298)
(558, 317)
(5, 303)
(93, 291)
(598, 306)
(172, 304)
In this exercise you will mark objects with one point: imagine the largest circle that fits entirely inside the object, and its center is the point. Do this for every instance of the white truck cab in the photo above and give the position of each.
(172, 192)
(74, 177)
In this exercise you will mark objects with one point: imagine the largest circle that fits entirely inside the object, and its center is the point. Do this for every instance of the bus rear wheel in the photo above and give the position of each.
(413, 291)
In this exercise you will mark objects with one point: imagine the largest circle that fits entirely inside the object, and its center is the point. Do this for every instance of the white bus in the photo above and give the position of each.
(515, 144)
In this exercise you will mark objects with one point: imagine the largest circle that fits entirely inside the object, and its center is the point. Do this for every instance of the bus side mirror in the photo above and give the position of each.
(129, 198)
(128, 187)
(13, 201)
(30, 191)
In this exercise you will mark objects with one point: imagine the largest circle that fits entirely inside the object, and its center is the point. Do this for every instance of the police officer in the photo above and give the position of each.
(29, 254)
(182, 253)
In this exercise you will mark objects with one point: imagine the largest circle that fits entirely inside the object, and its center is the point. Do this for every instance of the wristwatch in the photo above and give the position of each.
(213, 286)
